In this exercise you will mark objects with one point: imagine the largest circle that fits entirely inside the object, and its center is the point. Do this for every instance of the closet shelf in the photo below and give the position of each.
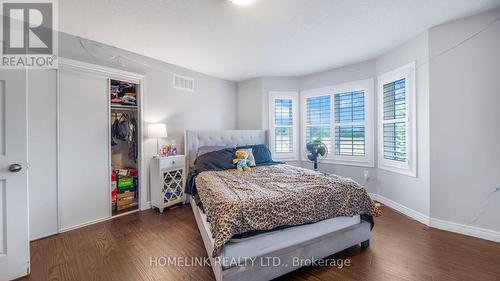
(124, 107)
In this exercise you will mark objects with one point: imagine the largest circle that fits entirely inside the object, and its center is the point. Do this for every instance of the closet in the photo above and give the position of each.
(99, 140)
(124, 146)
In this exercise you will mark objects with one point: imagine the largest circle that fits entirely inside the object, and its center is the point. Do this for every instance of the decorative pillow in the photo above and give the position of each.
(260, 152)
(250, 158)
(215, 160)
(206, 149)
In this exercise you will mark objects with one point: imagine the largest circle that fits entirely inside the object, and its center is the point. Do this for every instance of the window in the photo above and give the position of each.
(318, 119)
(283, 120)
(397, 145)
(394, 120)
(350, 124)
(340, 116)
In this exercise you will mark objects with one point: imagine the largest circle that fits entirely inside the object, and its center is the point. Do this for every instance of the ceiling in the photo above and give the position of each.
(266, 38)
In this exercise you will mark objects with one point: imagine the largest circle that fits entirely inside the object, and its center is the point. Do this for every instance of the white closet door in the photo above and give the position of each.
(84, 157)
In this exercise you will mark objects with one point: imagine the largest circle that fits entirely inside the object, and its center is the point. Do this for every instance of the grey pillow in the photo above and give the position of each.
(206, 149)
(250, 156)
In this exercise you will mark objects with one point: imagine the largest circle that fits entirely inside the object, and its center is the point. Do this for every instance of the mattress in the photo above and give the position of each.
(263, 244)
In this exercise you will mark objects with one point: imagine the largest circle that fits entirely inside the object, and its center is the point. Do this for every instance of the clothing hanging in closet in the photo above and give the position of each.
(124, 128)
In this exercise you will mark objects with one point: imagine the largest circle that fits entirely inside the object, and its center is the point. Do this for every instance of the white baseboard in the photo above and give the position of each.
(422, 218)
(146, 206)
(65, 229)
(43, 236)
(468, 230)
(474, 231)
(61, 230)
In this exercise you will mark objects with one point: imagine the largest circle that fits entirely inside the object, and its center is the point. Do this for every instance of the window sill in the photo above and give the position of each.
(344, 163)
(287, 159)
(404, 172)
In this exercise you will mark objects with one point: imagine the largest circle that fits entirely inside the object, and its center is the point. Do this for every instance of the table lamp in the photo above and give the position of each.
(157, 131)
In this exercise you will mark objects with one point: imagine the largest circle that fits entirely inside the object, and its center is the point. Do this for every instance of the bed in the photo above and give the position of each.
(265, 255)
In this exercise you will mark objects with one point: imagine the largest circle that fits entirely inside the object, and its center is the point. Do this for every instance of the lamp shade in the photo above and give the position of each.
(157, 130)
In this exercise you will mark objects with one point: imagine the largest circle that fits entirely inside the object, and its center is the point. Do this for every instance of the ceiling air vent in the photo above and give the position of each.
(183, 83)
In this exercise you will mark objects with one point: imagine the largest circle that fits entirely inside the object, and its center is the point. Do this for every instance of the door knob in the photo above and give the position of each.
(15, 168)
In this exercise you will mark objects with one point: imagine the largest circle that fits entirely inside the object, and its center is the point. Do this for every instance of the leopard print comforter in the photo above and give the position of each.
(271, 196)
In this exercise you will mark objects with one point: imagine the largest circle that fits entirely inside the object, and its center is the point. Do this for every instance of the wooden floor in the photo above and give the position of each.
(121, 249)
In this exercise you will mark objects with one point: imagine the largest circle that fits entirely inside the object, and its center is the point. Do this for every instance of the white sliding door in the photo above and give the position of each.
(84, 181)
(42, 151)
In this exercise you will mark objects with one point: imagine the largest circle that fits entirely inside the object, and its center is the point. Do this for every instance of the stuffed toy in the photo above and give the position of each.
(241, 161)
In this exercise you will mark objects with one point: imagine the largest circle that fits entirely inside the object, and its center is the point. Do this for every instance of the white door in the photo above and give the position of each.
(14, 230)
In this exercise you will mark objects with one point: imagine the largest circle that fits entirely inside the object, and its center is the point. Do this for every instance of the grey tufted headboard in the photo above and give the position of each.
(197, 139)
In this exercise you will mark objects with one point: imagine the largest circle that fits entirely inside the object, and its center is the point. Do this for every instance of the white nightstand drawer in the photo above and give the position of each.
(173, 162)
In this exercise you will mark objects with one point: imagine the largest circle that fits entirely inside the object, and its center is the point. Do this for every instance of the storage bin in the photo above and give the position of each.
(125, 200)
(125, 189)
(125, 181)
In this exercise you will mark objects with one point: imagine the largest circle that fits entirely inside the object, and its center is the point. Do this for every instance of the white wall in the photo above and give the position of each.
(408, 191)
(211, 106)
(465, 121)
(250, 113)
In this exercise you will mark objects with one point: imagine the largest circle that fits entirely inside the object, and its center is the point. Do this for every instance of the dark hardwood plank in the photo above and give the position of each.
(121, 249)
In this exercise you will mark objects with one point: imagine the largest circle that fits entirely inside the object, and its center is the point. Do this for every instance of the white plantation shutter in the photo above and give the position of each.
(397, 121)
(282, 125)
(394, 131)
(318, 119)
(350, 124)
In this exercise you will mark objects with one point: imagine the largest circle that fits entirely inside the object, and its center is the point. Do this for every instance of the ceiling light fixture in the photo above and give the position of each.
(241, 2)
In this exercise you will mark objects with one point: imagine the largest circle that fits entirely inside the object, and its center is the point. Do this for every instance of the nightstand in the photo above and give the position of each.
(167, 179)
